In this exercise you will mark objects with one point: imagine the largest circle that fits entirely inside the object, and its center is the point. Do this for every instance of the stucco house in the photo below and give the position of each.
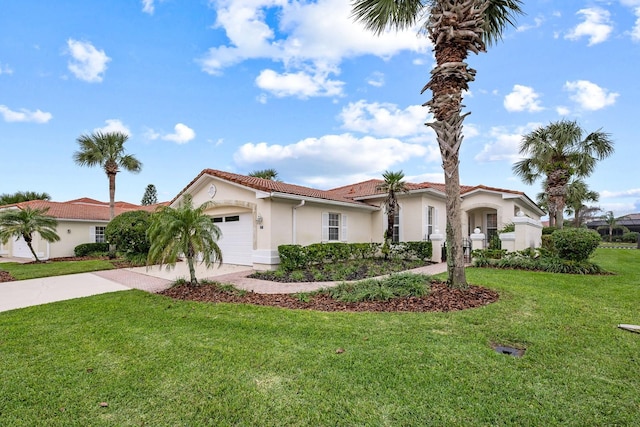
(79, 221)
(257, 215)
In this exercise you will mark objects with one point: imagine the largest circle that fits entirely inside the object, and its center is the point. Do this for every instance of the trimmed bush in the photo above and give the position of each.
(548, 230)
(575, 244)
(128, 231)
(292, 257)
(630, 237)
(90, 248)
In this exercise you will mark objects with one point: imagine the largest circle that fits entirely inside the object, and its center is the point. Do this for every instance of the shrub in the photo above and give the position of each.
(90, 248)
(421, 250)
(128, 231)
(395, 286)
(292, 257)
(575, 244)
(630, 237)
(548, 230)
(489, 253)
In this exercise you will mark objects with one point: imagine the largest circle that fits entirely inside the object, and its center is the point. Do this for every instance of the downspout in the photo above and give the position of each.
(295, 224)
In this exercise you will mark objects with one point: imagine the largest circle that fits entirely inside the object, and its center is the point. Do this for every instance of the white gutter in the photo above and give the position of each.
(354, 205)
(295, 223)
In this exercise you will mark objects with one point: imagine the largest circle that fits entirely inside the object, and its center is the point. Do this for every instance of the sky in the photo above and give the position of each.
(298, 86)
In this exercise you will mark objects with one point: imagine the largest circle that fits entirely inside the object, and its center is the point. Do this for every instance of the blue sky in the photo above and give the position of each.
(243, 85)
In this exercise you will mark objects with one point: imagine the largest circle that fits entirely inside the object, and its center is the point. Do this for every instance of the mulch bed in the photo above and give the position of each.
(6, 277)
(441, 298)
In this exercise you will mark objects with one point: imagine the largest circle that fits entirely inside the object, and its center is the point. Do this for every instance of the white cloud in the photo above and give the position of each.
(87, 63)
(148, 6)
(386, 120)
(299, 84)
(5, 69)
(505, 144)
(24, 115)
(376, 79)
(522, 98)
(182, 134)
(537, 23)
(326, 161)
(634, 192)
(292, 34)
(562, 110)
(596, 26)
(114, 125)
(635, 32)
(589, 96)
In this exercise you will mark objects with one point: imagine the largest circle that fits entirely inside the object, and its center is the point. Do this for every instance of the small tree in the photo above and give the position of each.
(128, 231)
(24, 223)
(575, 244)
(186, 231)
(150, 196)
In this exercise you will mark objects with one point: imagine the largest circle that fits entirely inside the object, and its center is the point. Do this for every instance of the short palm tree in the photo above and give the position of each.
(24, 222)
(270, 174)
(456, 28)
(578, 194)
(612, 223)
(393, 185)
(107, 151)
(22, 196)
(558, 152)
(184, 231)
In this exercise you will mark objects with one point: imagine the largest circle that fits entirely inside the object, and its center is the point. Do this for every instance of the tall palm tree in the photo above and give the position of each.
(558, 152)
(456, 28)
(578, 194)
(270, 174)
(24, 222)
(393, 185)
(107, 151)
(184, 230)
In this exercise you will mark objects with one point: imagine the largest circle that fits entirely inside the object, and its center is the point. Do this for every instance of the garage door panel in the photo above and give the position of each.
(236, 243)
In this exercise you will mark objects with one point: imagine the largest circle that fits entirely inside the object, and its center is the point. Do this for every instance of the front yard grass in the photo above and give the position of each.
(161, 362)
(57, 268)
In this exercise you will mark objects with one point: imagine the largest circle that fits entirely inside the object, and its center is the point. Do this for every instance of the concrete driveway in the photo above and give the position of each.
(26, 293)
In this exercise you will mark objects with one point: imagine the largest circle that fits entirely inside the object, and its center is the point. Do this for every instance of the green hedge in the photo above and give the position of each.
(294, 257)
(90, 248)
(575, 244)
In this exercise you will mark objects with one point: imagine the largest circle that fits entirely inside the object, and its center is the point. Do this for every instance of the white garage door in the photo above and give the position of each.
(237, 238)
(20, 249)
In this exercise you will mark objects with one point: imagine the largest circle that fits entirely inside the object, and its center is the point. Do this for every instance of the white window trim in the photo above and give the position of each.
(342, 227)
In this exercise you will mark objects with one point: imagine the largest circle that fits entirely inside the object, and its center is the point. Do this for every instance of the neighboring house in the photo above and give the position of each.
(79, 221)
(257, 215)
(630, 221)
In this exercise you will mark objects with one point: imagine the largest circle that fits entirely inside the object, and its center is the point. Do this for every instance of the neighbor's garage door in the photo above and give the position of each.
(237, 238)
(20, 249)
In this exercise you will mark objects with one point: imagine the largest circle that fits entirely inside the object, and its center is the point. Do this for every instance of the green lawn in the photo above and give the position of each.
(160, 362)
(57, 268)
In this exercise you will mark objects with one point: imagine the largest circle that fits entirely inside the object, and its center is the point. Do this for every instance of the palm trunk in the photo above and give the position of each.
(455, 28)
(28, 241)
(192, 270)
(112, 208)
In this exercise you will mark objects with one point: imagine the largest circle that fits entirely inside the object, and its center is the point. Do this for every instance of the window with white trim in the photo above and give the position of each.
(334, 227)
(432, 220)
(492, 225)
(395, 238)
(99, 234)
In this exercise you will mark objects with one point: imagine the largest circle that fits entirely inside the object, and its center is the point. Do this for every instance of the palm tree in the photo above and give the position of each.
(270, 174)
(22, 196)
(578, 193)
(392, 185)
(611, 221)
(107, 151)
(559, 153)
(24, 222)
(184, 230)
(455, 28)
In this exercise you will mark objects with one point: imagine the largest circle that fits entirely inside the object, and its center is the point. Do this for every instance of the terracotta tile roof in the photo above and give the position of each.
(370, 188)
(270, 186)
(82, 209)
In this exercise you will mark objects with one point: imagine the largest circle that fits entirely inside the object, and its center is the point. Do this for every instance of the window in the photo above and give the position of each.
(431, 221)
(99, 236)
(216, 219)
(492, 225)
(334, 227)
(395, 238)
(233, 218)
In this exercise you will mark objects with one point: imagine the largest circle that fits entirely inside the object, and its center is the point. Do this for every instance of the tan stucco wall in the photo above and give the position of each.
(72, 234)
